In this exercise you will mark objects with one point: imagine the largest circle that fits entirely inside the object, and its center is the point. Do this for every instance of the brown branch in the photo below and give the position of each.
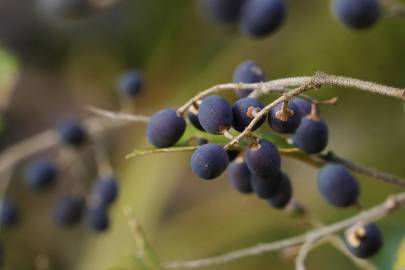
(390, 205)
(321, 79)
(47, 140)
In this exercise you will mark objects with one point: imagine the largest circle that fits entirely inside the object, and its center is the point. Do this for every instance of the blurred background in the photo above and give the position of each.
(51, 67)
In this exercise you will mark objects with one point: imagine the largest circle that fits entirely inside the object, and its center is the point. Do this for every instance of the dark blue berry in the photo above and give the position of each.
(312, 135)
(247, 72)
(209, 161)
(263, 159)
(232, 154)
(106, 190)
(243, 113)
(130, 83)
(265, 188)
(239, 176)
(304, 105)
(69, 210)
(215, 114)
(337, 185)
(283, 194)
(165, 128)
(224, 11)
(72, 133)
(357, 14)
(40, 174)
(97, 218)
(192, 115)
(364, 241)
(284, 122)
(260, 18)
(9, 215)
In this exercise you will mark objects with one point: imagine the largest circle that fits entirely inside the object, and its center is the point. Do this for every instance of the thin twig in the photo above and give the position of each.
(47, 140)
(303, 253)
(137, 153)
(390, 205)
(119, 115)
(362, 169)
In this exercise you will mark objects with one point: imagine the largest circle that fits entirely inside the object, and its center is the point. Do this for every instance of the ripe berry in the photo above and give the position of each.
(284, 122)
(106, 189)
(69, 210)
(209, 161)
(283, 194)
(260, 18)
(243, 113)
(337, 185)
(130, 83)
(364, 241)
(357, 14)
(303, 104)
(215, 114)
(263, 159)
(312, 135)
(232, 154)
(9, 215)
(225, 11)
(165, 128)
(239, 176)
(72, 133)
(247, 72)
(40, 174)
(192, 115)
(97, 218)
(265, 188)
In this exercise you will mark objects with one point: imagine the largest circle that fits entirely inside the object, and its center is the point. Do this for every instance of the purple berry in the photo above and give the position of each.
(165, 128)
(243, 113)
(209, 161)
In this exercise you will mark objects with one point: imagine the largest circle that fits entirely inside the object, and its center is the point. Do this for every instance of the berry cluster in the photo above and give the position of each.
(260, 18)
(257, 167)
(41, 174)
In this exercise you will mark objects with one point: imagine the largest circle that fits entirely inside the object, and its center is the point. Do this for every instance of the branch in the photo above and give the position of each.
(321, 79)
(303, 253)
(321, 159)
(137, 153)
(49, 139)
(390, 205)
(119, 116)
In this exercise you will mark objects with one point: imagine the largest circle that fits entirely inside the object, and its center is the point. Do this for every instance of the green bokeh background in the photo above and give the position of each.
(76, 63)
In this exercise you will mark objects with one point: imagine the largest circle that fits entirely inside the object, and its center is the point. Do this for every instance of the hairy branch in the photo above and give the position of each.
(390, 205)
(320, 79)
